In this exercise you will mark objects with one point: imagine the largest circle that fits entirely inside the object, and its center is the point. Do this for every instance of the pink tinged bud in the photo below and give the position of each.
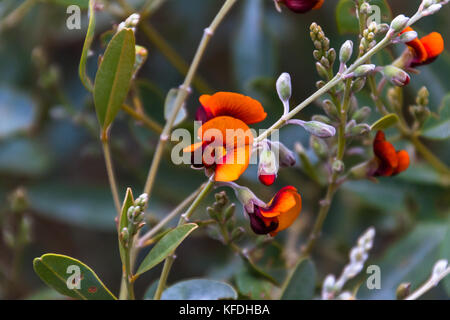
(268, 167)
(316, 128)
(245, 196)
(286, 157)
(396, 76)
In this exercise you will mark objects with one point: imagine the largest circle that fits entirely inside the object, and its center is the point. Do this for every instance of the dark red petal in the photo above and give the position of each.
(302, 6)
(259, 224)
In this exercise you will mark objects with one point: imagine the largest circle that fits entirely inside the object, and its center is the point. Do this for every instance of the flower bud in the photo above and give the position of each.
(330, 109)
(346, 51)
(237, 234)
(399, 23)
(365, 8)
(358, 84)
(396, 76)
(319, 146)
(431, 9)
(407, 36)
(284, 87)
(321, 118)
(246, 197)
(362, 114)
(403, 290)
(131, 22)
(364, 70)
(268, 167)
(286, 157)
(316, 128)
(338, 166)
(321, 70)
(359, 130)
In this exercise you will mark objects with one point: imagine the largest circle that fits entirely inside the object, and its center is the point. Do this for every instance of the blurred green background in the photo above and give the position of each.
(49, 146)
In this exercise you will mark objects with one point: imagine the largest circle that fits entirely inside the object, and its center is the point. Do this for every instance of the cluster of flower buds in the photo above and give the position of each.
(222, 211)
(368, 38)
(324, 55)
(131, 22)
(135, 217)
(420, 110)
(332, 287)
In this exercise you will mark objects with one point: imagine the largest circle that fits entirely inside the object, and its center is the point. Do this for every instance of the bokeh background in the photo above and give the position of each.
(49, 147)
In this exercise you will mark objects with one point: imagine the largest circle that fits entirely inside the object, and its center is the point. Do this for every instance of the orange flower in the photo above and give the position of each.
(226, 139)
(279, 214)
(302, 6)
(390, 161)
(426, 49)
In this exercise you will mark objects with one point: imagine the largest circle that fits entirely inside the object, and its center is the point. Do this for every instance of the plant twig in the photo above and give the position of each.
(110, 170)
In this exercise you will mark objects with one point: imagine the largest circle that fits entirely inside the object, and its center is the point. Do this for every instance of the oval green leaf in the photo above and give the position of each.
(59, 273)
(386, 122)
(169, 106)
(113, 78)
(200, 289)
(166, 246)
(301, 283)
(87, 82)
(439, 129)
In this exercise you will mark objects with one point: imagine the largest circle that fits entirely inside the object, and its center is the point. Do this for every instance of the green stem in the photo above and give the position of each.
(183, 93)
(110, 170)
(183, 219)
(331, 84)
(172, 56)
(16, 15)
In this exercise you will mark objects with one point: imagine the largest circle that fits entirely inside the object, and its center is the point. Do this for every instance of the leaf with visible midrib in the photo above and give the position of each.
(166, 246)
(113, 77)
(87, 45)
(54, 270)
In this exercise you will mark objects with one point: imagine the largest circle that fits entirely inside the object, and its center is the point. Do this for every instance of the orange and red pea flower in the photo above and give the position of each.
(279, 214)
(426, 49)
(221, 113)
(390, 162)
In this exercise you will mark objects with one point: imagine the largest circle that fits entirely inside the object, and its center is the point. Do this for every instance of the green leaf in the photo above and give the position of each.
(424, 174)
(199, 289)
(411, 259)
(301, 283)
(346, 19)
(114, 76)
(439, 132)
(55, 270)
(169, 106)
(123, 221)
(385, 122)
(166, 246)
(86, 47)
(252, 285)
